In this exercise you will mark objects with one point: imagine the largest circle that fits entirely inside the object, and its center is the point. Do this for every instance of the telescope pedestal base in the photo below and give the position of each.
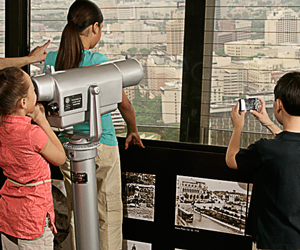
(83, 174)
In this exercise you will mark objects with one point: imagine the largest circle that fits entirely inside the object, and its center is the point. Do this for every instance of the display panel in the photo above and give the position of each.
(171, 164)
(215, 205)
(138, 195)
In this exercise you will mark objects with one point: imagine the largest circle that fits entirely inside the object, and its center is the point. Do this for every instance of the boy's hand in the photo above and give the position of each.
(238, 117)
(261, 114)
(264, 118)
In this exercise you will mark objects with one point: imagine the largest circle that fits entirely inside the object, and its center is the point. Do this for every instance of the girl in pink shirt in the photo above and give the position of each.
(26, 205)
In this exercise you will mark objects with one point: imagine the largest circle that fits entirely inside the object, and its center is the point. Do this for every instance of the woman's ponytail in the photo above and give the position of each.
(70, 48)
(81, 15)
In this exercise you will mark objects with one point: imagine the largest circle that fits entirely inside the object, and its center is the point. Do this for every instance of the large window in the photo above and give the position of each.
(151, 31)
(254, 43)
(248, 45)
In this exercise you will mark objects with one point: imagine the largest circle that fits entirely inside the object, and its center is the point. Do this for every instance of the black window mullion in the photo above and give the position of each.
(17, 29)
(191, 127)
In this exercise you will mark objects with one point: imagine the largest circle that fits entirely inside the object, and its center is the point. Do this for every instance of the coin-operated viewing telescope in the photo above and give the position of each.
(71, 94)
(73, 97)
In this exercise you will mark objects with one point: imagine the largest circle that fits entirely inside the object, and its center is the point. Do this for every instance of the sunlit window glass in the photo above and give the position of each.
(151, 31)
(254, 43)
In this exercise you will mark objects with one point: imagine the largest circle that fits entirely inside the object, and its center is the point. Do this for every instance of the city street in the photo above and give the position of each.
(206, 222)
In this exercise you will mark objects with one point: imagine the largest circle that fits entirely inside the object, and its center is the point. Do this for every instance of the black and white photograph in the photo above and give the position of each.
(138, 195)
(135, 245)
(211, 204)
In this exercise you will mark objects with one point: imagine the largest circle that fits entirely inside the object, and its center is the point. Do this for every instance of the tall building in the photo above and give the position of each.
(175, 33)
(126, 11)
(171, 102)
(216, 94)
(156, 74)
(260, 72)
(109, 9)
(282, 26)
(160, 70)
(134, 34)
(228, 79)
(232, 30)
(220, 38)
(217, 13)
(242, 30)
(221, 9)
(251, 48)
(138, 35)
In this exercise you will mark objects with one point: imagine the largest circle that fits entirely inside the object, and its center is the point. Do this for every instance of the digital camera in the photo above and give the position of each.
(248, 104)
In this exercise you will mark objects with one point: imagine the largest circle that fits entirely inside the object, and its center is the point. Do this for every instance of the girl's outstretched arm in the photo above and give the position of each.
(36, 55)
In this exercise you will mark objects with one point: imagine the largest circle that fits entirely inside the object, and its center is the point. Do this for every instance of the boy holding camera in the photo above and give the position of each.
(274, 167)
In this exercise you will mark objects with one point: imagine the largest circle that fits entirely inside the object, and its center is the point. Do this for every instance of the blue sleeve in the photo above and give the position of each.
(50, 59)
(91, 58)
(99, 58)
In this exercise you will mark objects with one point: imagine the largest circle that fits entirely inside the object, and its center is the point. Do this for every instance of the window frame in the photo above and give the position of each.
(196, 92)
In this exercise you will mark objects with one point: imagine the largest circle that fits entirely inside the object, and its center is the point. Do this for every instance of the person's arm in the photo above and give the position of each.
(53, 150)
(238, 120)
(36, 55)
(127, 112)
(264, 118)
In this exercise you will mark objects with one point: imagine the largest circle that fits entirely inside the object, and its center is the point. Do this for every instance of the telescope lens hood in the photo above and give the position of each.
(44, 87)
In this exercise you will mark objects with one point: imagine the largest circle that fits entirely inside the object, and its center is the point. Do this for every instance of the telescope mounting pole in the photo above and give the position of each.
(82, 152)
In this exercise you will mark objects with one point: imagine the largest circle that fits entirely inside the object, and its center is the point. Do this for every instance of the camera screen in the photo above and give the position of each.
(248, 104)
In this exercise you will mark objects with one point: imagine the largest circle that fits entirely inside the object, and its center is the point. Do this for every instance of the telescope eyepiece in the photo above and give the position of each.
(53, 108)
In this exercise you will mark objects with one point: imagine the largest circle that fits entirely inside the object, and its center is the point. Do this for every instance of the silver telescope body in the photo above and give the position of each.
(67, 91)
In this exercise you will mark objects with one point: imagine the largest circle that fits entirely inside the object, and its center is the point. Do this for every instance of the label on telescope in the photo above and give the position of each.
(79, 178)
(73, 102)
